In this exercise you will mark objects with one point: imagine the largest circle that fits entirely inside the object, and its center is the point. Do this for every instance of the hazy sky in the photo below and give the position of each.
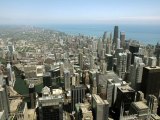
(79, 11)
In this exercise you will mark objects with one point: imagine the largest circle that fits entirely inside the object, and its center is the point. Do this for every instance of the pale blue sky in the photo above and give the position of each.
(79, 11)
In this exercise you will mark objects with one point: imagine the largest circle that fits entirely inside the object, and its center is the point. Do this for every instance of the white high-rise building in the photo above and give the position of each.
(67, 80)
(100, 108)
(136, 72)
(152, 61)
(121, 64)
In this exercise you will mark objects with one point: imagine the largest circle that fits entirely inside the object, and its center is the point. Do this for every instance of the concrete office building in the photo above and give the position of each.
(136, 72)
(4, 102)
(2, 115)
(81, 60)
(152, 62)
(107, 86)
(100, 108)
(152, 103)
(67, 81)
(122, 39)
(141, 110)
(121, 64)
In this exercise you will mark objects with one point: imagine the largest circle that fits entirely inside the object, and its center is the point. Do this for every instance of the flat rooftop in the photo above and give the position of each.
(140, 105)
(155, 117)
(97, 98)
(14, 104)
(153, 68)
(126, 88)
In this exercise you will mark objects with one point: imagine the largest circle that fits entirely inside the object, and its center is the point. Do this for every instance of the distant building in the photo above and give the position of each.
(129, 56)
(136, 71)
(133, 49)
(100, 108)
(152, 62)
(81, 60)
(116, 32)
(109, 61)
(122, 39)
(104, 37)
(121, 64)
(67, 81)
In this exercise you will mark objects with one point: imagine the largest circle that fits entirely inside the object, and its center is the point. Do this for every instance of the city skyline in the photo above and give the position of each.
(79, 12)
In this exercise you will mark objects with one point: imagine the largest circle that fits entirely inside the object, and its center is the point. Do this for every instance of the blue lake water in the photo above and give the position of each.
(147, 34)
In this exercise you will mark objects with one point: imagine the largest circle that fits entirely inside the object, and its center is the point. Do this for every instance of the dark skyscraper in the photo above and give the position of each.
(125, 96)
(133, 49)
(116, 31)
(47, 80)
(151, 81)
(77, 95)
(104, 37)
(32, 95)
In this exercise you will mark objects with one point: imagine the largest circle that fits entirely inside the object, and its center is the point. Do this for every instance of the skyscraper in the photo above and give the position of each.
(116, 31)
(67, 81)
(109, 61)
(150, 81)
(122, 39)
(152, 103)
(100, 108)
(157, 52)
(77, 95)
(121, 64)
(136, 72)
(125, 96)
(129, 56)
(133, 49)
(47, 81)
(104, 37)
(4, 102)
(50, 105)
(81, 60)
(32, 95)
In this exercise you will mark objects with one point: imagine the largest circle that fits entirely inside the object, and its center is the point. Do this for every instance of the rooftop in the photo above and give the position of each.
(155, 117)
(99, 100)
(153, 68)
(140, 105)
(126, 88)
